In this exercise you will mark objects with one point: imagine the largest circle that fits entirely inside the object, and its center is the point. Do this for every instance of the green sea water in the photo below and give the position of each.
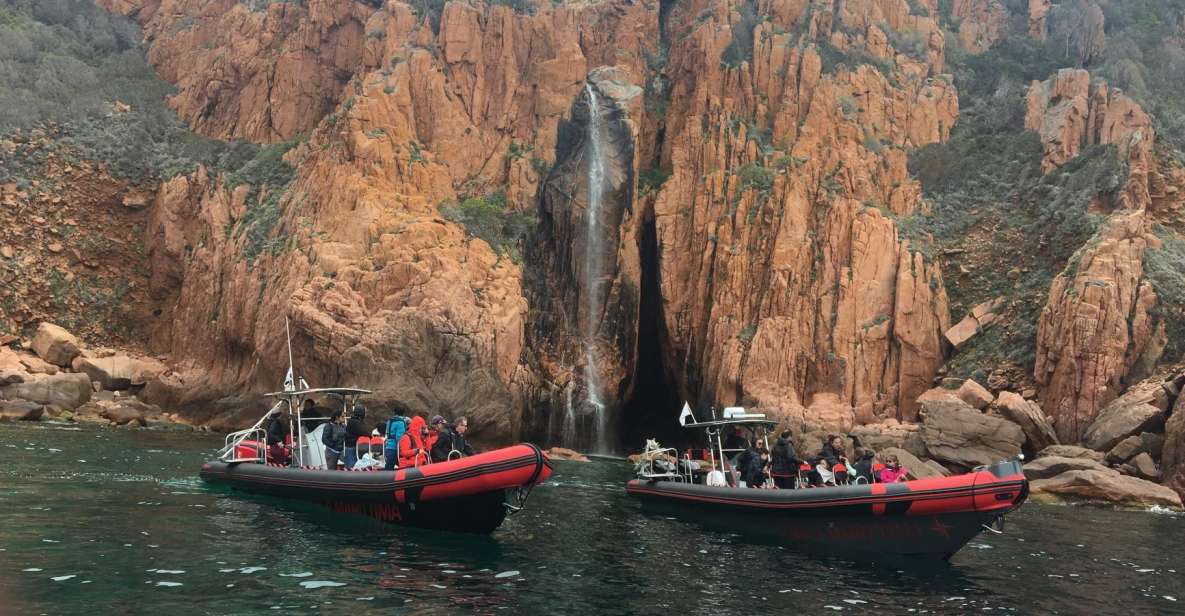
(114, 521)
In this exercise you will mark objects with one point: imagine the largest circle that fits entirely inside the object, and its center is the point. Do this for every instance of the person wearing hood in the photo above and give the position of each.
(355, 428)
(784, 462)
(412, 447)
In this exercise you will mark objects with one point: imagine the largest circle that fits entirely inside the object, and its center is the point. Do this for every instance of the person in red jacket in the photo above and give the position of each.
(413, 451)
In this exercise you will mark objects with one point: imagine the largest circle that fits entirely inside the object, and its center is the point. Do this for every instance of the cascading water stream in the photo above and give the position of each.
(593, 269)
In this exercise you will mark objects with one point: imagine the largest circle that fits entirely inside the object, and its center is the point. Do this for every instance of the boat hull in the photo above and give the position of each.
(931, 518)
(466, 495)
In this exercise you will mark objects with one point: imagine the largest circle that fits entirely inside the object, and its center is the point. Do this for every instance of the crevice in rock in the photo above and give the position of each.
(651, 408)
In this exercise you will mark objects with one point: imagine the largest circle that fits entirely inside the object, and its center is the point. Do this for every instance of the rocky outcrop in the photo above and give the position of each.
(974, 394)
(1172, 461)
(981, 23)
(20, 410)
(1070, 451)
(116, 372)
(980, 317)
(1095, 325)
(955, 433)
(1029, 416)
(1139, 410)
(1038, 11)
(1132, 446)
(1106, 486)
(67, 391)
(1047, 467)
(55, 345)
(882, 436)
(264, 74)
(1142, 466)
(1070, 112)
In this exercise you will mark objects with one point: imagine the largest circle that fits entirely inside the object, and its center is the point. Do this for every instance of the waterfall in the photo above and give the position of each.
(593, 270)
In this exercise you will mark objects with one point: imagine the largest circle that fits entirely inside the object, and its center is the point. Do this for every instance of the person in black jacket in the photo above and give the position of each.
(751, 465)
(355, 428)
(831, 454)
(862, 467)
(450, 439)
(278, 429)
(333, 436)
(784, 462)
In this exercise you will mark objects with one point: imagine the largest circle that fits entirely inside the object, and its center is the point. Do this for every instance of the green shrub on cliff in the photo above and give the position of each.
(1165, 269)
(489, 219)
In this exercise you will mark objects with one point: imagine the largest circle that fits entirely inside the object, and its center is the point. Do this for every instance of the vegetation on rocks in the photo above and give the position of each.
(489, 219)
(1001, 227)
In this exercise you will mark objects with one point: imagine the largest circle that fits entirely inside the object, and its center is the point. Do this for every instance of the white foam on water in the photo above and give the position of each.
(834, 607)
(364, 599)
(1145, 570)
(169, 584)
(301, 574)
(449, 571)
(63, 578)
(438, 586)
(227, 570)
(50, 541)
(252, 569)
(31, 570)
(311, 584)
(55, 450)
(854, 601)
(1170, 598)
(168, 571)
(506, 574)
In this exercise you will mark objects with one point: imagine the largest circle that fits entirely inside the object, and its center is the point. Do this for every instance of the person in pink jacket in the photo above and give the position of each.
(893, 471)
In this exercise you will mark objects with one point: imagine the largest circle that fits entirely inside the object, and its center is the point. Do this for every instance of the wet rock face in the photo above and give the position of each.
(583, 266)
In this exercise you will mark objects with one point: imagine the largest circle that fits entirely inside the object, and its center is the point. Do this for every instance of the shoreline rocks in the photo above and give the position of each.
(956, 433)
(1106, 486)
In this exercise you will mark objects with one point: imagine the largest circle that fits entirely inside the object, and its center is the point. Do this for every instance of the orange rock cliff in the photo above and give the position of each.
(716, 192)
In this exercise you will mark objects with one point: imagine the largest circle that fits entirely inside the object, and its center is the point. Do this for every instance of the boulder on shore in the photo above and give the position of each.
(55, 345)
(118, 371)
(1142, 466)
(563, 453)
(1172, 459)
(1070, 451)
(1052, 466)
(68, 391)
(20, 410)
(954, 432)
(1110, 487)
(1130, 414)
(1031, 419)
(1132, 446)
(880, 436)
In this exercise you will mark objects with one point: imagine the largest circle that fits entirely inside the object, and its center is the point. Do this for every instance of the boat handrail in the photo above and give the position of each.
(234, 438)
(238, 437)
(649, 456)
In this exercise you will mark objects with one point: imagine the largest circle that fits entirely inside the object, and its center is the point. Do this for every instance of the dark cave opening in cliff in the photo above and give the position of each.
(652, 410)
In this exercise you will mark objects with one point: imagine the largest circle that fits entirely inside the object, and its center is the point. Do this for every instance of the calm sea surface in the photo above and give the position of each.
(110, 521)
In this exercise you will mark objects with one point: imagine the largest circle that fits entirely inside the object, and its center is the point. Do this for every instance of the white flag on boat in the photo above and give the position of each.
(685, 414)
(289, 381)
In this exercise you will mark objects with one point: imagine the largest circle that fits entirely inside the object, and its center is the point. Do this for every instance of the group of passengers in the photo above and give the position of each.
(755, 465)
(407, 440)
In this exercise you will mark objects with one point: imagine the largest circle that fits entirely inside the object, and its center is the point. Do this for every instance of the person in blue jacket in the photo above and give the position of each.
(396, 427)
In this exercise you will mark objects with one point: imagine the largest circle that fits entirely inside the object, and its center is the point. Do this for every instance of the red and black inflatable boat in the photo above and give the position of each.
(926, 517)
(933, 517)
(470, 494)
